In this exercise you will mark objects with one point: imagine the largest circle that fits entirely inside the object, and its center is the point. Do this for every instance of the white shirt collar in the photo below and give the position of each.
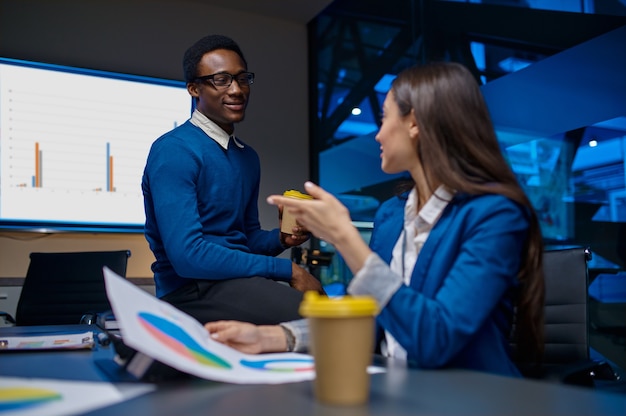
(212, 130)
(431, 210)
(435, 205)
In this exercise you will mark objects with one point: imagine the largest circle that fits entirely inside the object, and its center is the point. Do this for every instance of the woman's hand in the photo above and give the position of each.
(248, 338)
(328, 219)
(325, 216)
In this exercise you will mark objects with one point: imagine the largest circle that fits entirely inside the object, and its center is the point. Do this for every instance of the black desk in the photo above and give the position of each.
(399, 391)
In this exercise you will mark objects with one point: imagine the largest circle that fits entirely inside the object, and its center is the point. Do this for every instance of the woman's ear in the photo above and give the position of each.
(413, 127)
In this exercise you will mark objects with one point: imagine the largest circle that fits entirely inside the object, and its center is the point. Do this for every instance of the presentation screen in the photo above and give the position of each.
(73, 145)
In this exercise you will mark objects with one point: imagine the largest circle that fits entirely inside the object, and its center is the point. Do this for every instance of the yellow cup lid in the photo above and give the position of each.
(292, 193)
(315, 305)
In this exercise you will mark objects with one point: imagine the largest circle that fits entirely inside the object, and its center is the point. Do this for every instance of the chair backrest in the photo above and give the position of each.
(59, 288)
(566, 305)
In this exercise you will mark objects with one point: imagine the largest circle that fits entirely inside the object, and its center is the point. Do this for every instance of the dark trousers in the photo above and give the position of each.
(253, 299)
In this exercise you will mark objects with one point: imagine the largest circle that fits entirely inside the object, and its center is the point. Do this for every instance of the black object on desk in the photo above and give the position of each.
(129, 364)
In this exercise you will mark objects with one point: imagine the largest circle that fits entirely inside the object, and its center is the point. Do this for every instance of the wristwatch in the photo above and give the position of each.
(291, 340)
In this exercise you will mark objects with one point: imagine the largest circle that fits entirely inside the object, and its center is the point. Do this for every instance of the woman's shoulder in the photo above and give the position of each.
(392, 205)
(485, 206)
(493, 199)
(396, 200)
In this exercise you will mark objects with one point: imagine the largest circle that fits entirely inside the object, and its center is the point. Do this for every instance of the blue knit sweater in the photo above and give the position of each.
(201, 204)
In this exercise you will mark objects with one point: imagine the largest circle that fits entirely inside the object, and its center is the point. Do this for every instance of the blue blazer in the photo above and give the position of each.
(457, 310)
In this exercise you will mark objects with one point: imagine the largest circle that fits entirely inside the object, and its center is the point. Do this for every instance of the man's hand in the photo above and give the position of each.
(298, 234)
(303, 280)
(295, 239)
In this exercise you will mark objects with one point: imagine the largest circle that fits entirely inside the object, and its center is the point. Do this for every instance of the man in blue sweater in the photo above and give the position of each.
(201, 188)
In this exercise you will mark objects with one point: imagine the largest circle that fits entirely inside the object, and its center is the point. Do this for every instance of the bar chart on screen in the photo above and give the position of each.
(73, 145)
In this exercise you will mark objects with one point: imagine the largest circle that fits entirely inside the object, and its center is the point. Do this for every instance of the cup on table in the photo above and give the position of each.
(342, 343)
(288, 221)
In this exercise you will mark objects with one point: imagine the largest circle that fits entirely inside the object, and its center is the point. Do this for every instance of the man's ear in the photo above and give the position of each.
(192, 89)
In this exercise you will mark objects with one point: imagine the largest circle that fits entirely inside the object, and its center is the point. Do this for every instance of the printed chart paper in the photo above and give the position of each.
(37, 397)
(166, 334)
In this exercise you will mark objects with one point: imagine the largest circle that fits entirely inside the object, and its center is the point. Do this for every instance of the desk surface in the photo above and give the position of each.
(398, 391)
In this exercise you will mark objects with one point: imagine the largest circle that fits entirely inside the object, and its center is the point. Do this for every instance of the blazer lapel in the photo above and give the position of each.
(425, 257)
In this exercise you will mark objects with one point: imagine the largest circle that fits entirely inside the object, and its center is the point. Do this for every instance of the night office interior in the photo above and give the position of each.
(308, 54)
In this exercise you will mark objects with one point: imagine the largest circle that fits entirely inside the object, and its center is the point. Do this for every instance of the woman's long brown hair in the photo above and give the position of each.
(458, 146)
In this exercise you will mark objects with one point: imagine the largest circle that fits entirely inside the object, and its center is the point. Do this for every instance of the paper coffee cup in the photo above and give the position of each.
(288, 221)
(342, 345)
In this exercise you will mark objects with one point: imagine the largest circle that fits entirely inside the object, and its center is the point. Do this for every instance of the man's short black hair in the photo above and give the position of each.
(209, 43)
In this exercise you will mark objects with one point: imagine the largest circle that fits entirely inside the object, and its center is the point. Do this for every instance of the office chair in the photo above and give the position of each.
(61, 288)
(566, 332)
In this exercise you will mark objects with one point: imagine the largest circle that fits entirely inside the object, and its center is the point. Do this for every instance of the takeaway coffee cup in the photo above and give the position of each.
(288, 221)
(342, 341)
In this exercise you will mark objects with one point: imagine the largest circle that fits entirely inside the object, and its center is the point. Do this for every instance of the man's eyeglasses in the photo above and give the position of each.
(224, 79)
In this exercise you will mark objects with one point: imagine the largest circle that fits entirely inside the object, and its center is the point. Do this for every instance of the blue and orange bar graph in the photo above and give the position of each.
(37, 180)
(109, 162)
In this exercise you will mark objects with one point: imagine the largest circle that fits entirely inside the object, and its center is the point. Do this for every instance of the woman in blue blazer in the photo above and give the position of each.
(456, 259)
